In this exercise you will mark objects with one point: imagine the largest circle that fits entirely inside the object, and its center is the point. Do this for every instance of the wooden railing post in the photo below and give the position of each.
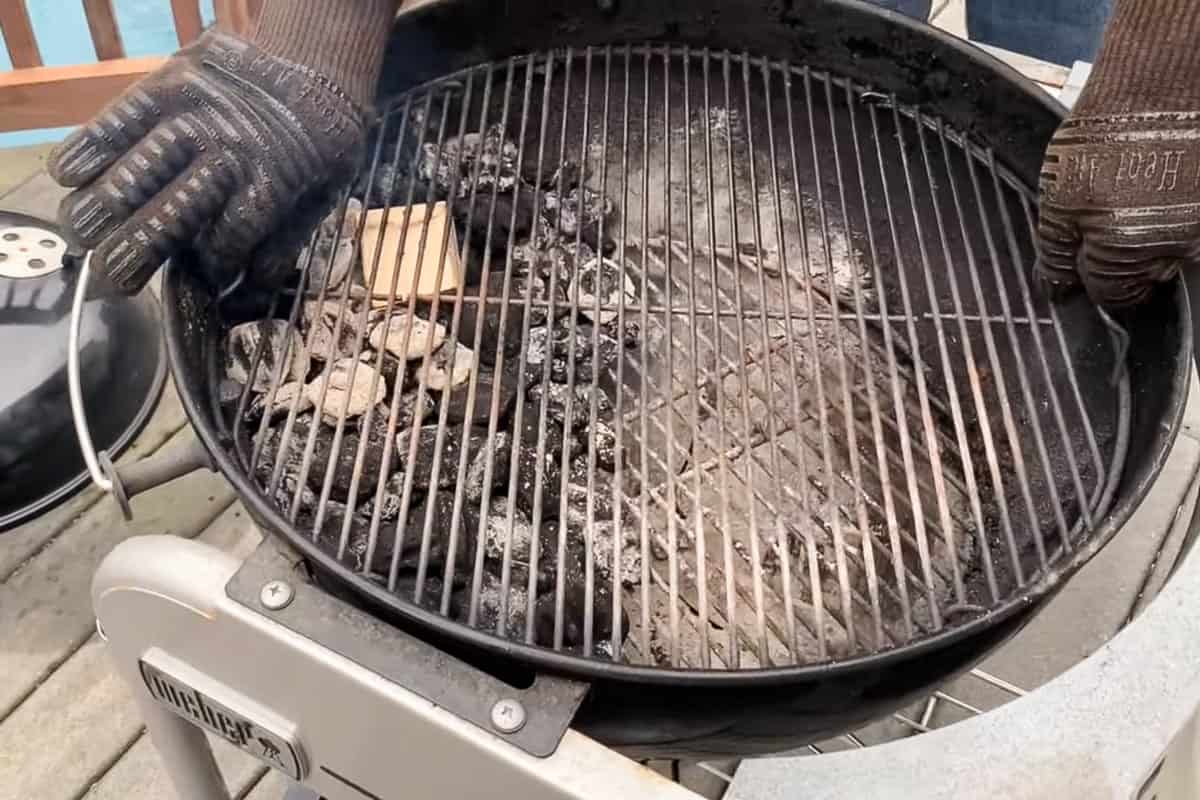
(18, 34)
(102, 23)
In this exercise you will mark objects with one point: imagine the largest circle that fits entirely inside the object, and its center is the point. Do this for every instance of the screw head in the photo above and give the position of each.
(508, 715)
(276, 595)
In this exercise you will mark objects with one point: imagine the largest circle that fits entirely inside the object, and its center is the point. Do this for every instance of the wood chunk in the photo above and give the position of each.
(422, 230)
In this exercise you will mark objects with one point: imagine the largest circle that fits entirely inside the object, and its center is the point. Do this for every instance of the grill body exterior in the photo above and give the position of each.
(670, 710)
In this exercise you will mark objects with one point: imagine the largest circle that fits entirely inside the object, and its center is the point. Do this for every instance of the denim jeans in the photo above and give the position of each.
(1060, 31)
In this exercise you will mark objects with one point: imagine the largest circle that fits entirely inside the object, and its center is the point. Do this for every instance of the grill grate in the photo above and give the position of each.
(754, 373)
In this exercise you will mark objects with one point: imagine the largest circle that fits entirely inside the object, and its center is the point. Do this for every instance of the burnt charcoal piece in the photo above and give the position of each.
(551, 470)
(497, 537)
(604, 440)
(601, 492)
(577, 211)
(495, 604)
(289, 478)
(492, 154)
(330, 535)
(512, 218)
(489, 315)
(581, 396)
(328, 266)
(603, 280)
(490, 386)
(440, 508)
(575, 610)
(277, 339)
(447, 477)
(343, 465)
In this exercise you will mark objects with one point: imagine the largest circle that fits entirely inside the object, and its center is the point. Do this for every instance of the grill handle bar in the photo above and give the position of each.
(126, 482)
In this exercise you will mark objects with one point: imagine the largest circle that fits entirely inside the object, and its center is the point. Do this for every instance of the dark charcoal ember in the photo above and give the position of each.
(343, 465)
(276, 338)
(290, 472)
(581, 396)
(389, 502)
(551, 432)
(440, 508)
(491, 154)
(330, 535)
(495, 604)
(578, 210)
(451, 453)
(601, 492)
(566, 176)
(490, 386)
(603, 280)
(498, 539)
(511, 326)
(511, 218)
(575, 610)
(556, 345)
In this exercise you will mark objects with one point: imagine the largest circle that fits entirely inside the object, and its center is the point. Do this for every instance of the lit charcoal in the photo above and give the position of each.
(406, 335)
(550, 467)
(289, 476)
(493, 222)
(493, 603)
(606, 279)
(343, 464)
(579, 210)
(503, 319)
(447, 368)
(349, 390)
(451, 450)
(329, 265)
(497, 537)
(277, 340)
(575, 611)
(601, 535)
(389, 502)
(377, 430)
(286, 396)
(605, 439)
(581, 404)
(491, 387)
(601, 492)
(357, 537)
(440, 508)
(557, 344)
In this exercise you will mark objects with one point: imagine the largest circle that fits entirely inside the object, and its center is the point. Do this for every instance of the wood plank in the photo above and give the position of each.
(45, 607)
(188, 24)
(20, 544)
(49, 97)
(102, 23)
(82, 719)
(18, 34)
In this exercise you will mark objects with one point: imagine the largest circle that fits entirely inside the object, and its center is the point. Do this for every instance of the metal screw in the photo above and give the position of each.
(276, 595)
(508, 715)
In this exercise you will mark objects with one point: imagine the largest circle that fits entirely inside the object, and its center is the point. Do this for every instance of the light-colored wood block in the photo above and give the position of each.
(423, 231)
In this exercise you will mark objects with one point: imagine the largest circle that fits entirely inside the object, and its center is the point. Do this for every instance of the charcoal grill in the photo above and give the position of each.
(852, 446)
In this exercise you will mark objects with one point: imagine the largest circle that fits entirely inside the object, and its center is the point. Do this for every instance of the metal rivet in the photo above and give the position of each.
(276, 595)
(508, 715)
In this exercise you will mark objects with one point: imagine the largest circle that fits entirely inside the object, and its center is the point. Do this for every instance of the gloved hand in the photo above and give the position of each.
(1120, 187)
(233, 148)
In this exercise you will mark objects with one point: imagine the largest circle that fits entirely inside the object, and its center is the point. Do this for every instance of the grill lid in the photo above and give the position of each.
(744, 368)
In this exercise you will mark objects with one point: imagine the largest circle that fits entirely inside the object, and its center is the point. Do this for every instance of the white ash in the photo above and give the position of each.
(599, 535)
(406, 336)
(581, 404)
(606, 279)
(287, 395)
(580, 206)
(495, 154)
(515, 611)
(447, 367)
(349, 391)
(496, 536)
(279, 342)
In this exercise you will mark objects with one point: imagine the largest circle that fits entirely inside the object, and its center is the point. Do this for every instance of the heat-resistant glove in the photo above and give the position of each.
(1120, 188)
(232, 149)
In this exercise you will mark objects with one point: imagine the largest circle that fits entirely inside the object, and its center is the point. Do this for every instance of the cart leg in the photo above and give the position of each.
(184, 751)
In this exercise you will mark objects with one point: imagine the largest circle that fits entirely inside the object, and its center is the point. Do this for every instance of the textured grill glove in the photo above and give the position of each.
(232, 148)
(1120, 188)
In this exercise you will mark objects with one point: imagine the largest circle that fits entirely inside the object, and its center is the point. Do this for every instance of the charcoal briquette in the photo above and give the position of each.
(500, 388)
(279, 342)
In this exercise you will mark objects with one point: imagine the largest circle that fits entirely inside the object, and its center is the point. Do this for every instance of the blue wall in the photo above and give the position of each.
(147, 29)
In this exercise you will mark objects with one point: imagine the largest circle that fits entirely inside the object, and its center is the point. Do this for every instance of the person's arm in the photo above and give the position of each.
(231, 149)
(1120, 188)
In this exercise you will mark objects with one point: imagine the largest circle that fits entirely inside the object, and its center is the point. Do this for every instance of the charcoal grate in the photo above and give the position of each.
(743, 367)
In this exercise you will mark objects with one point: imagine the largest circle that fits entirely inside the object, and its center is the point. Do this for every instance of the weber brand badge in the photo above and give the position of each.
(275, 750)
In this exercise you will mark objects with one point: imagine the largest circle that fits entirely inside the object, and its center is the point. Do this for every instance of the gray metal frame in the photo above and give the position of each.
(357, 734)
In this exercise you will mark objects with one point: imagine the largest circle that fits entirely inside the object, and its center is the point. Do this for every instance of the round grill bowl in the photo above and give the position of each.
(904, 80)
